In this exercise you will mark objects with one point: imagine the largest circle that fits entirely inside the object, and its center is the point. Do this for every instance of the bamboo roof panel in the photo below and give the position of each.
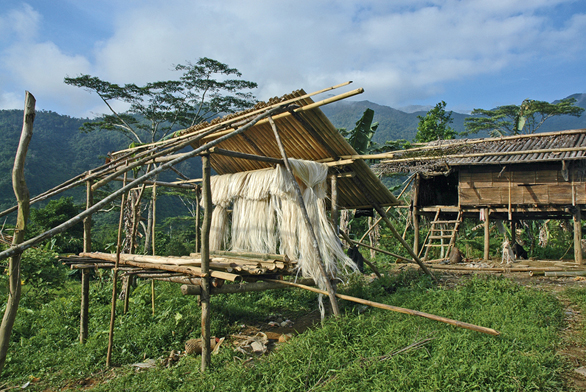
(305, 134)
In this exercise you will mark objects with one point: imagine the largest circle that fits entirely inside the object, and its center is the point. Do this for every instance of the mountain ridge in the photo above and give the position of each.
(396, 124)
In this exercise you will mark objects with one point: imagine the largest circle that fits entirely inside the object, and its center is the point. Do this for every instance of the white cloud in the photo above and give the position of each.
(19, 24)
(10, 100)
(399, 51)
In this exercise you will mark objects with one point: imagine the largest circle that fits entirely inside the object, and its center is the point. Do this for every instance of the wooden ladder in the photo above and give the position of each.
(436, 233)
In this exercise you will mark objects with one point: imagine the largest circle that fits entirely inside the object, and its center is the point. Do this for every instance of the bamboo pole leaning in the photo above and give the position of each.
(76, 219)
(245, 117)
(300, 202)
(205, 263)
(446, 320)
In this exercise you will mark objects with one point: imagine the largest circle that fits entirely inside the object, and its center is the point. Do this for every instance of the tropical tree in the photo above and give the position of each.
(435, 125)
(204, 90)
(523, 119)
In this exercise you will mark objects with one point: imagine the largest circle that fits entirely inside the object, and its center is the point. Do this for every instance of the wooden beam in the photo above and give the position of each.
(415, 213)
(115, 281)
(241, 155)
(162, 183)
(486, 235)
(578, 257)
(455, 323)
(85, 299)
(87, 222)
(205, 264)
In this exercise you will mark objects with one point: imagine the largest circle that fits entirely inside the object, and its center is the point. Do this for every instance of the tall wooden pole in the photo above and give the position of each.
(578, 235)
(334, 211)
(23, 200)
(85, 305)
(205, 263)
(415, 216)
(486, 235)
(85, 273)
(115, 280)
(87, 222)
(322, 268)
(153, 231)
(197, 213)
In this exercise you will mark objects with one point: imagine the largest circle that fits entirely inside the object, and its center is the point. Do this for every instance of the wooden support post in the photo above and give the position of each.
(578, 235)
(416, 215)
(513, 232)
(153, 243)
(334, 198)
(127, 280)
(322, 268)
(87, 222)
(154, 219)
(197, 213)
(22, 197)
(115, 281)
(205, 264)
(153, 296)
(85, 274)
(85, 299)
(486, 234)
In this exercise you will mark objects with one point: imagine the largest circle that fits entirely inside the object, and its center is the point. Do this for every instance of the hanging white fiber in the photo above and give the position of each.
(267, 218)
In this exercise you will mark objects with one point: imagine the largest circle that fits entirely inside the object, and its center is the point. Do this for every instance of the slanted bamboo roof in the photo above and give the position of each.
(306, 134)
(441, 155)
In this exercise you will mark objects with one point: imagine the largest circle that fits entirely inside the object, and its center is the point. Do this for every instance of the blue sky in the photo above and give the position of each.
(471, 54)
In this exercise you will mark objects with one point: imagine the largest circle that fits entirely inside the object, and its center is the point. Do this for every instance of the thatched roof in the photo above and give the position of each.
(440, 156)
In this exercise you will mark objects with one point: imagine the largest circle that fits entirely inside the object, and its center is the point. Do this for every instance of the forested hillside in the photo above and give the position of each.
(395, 124)
(58, 151)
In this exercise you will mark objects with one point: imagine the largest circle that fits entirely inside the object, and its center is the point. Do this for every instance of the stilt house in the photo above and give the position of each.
(524, 177)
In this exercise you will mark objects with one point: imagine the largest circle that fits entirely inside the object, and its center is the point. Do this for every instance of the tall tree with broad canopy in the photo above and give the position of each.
(523, 119)
(435, 125)
(204, 90)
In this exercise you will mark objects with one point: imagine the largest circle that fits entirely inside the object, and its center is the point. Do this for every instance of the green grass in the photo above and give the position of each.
(339, 355)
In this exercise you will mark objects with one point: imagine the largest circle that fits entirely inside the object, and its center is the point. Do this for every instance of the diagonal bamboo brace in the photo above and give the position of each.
(331, 292)
(412, 312)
